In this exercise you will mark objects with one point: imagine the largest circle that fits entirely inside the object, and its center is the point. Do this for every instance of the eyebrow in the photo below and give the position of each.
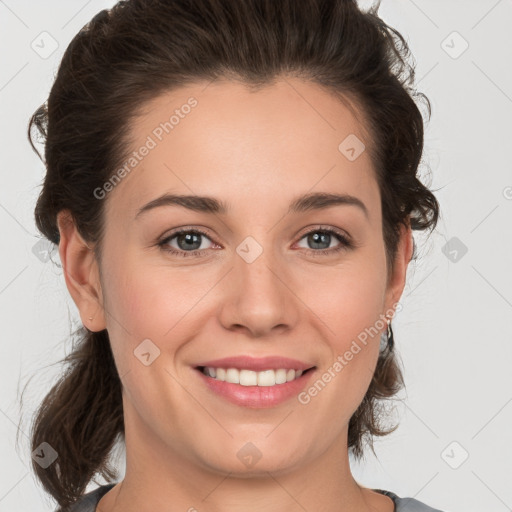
(205, 204)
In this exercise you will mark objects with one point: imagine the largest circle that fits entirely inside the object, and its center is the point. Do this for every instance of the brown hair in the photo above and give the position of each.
(130, 54)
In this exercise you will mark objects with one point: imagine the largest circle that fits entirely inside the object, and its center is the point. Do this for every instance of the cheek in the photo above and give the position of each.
(351, 299)
(145, 296)
(152, 302)
(350, 306)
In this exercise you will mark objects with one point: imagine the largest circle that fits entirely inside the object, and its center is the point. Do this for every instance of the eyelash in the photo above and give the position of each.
(345, 243)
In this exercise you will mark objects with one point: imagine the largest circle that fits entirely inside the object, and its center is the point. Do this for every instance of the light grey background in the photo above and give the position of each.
(454, 333)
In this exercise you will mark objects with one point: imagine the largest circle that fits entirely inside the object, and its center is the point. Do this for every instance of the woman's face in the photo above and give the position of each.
(266, 278)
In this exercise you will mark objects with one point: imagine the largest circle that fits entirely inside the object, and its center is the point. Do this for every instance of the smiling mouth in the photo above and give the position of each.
(244, 377)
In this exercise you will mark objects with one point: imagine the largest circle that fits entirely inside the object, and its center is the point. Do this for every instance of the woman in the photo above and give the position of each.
(233, 189)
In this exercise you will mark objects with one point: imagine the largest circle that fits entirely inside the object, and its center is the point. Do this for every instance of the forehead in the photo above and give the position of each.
(222, 139)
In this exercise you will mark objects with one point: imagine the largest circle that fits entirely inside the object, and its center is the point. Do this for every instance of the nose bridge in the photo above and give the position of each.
(259, 299)
(256, 267)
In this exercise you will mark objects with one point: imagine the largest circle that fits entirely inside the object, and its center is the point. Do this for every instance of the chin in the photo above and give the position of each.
(251, 462)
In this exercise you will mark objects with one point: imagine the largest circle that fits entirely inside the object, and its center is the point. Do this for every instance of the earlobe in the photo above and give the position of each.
(81, 273)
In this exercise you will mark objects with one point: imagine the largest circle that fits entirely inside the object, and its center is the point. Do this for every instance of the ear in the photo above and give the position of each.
(81, 273)
(396, 281)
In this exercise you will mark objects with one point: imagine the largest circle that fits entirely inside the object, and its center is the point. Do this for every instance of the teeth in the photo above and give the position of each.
(250, 378)
(233, 376)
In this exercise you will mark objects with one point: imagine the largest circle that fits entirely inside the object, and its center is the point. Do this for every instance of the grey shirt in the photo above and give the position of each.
(88, 502)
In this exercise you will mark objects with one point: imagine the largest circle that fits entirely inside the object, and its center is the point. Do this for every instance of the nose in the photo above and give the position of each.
(259, 297)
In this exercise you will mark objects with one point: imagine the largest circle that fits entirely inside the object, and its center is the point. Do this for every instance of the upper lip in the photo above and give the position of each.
(258, 363)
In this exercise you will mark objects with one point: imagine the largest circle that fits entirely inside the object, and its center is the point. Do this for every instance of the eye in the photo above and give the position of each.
(320, 237)
(188, 242)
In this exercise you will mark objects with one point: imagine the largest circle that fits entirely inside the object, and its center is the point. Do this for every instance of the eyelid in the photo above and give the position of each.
(323, 227)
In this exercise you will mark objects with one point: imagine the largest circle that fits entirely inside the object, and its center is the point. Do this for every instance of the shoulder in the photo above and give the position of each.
(88, 502)
(408, 504)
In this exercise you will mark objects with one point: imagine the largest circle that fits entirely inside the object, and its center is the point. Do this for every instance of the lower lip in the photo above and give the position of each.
(257, 397)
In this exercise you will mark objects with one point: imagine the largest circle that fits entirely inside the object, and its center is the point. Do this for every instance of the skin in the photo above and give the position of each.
(257, 151)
